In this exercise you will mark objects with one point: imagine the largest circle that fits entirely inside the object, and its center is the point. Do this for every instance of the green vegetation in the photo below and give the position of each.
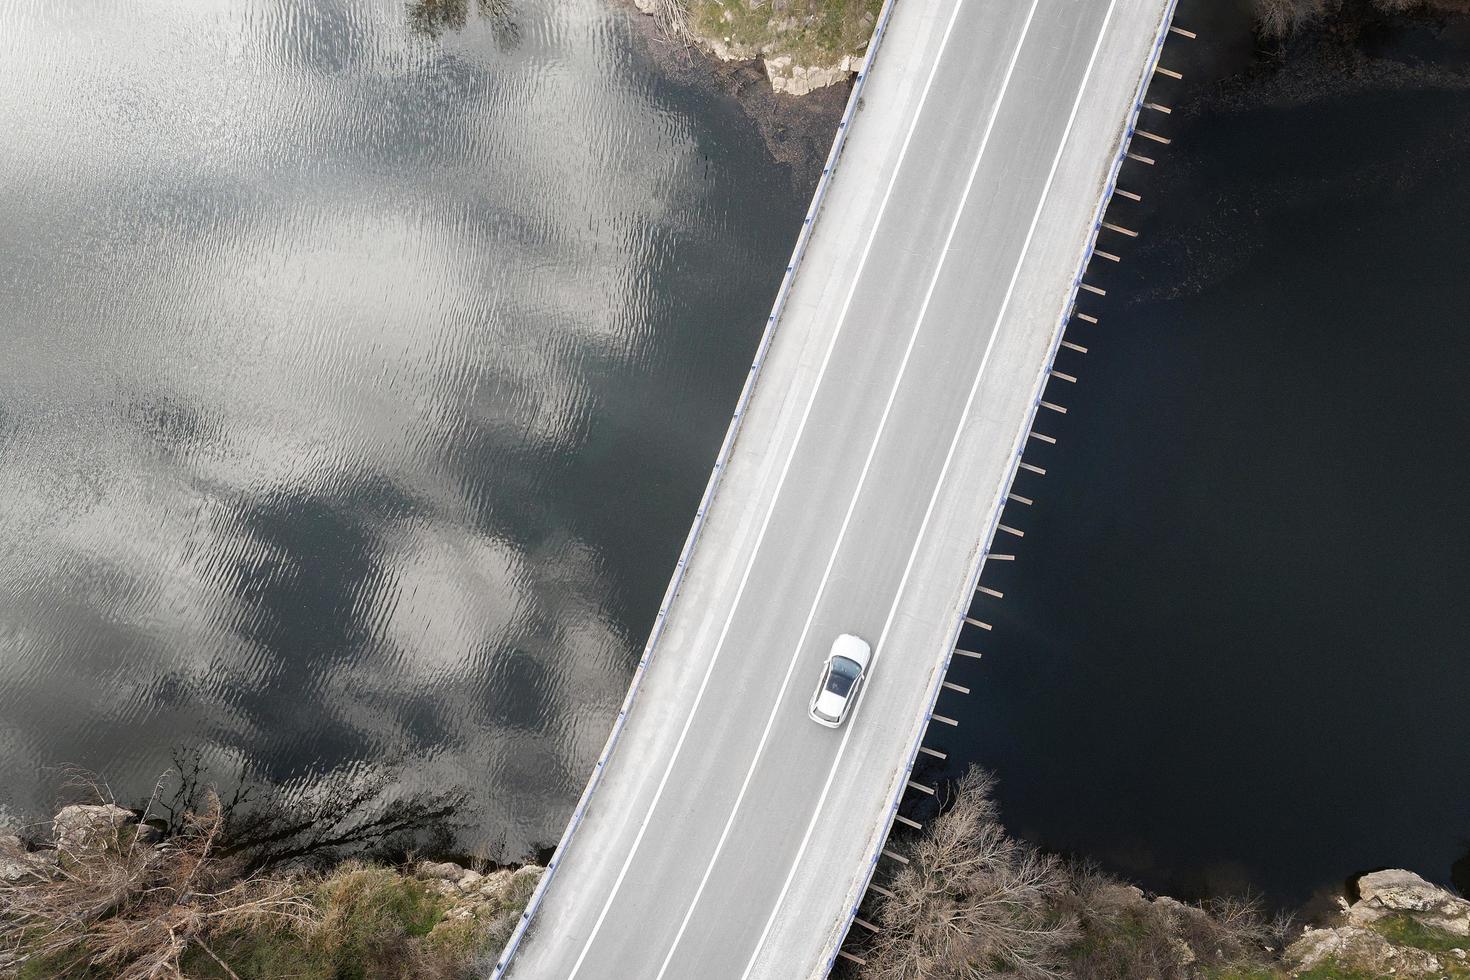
(1405, 930)
(812, 32)
(1331, 970)
(370, 922)
(1243, 973)
(359, 922)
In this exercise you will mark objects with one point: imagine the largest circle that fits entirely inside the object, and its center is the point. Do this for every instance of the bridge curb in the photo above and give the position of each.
(886, 828)
(803, 238)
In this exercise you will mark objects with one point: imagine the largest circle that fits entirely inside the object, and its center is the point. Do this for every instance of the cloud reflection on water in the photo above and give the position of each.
(330, 348)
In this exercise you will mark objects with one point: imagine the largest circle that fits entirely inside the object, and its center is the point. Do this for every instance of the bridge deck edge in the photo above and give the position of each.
(839, 140)
(902, 775)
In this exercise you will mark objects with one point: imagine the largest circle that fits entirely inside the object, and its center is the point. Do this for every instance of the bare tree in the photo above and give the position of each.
(972, 903)
(1281, 18)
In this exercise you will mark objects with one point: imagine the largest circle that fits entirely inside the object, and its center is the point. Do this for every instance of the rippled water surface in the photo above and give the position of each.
(362, 366)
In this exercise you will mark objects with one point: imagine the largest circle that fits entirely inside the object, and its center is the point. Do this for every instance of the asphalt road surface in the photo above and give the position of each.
(730, 835)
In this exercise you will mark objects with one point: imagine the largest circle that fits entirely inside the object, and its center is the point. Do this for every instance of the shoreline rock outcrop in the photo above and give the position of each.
(1400, 926)
(473, 894)
(803, 45)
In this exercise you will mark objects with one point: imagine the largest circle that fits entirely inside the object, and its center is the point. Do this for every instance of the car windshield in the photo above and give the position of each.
(843, 675)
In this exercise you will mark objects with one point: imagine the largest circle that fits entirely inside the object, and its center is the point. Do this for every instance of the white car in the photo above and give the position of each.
(842, 678)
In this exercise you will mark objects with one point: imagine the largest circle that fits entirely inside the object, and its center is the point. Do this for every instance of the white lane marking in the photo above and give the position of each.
(775, 499)
(856, 494)
(934, 497)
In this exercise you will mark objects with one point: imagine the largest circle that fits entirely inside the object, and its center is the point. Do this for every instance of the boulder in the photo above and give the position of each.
(729, 49)
(442, 870)
(521, 884)
(17, 863)
(793, 79)
(1386, 892)
(150, 832)
(1187, 916)
(495, 886)
(1119, 896)
(529, 874)
(1358, 949)
(469, 882)
(82, 826)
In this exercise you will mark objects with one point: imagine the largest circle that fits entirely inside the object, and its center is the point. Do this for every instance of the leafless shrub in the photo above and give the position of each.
(973, 903)
(1282, 18)
(133, 910)
(672, 17)
(1241, 930)
(1432, 6)
(1126, 936)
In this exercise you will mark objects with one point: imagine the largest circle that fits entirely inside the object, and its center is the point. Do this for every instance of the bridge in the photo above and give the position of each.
(724, 834)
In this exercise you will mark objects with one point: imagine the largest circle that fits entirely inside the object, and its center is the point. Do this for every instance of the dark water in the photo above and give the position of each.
(1232, 653)
(361, 372)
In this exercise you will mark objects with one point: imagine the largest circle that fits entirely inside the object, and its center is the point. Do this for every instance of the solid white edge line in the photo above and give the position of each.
(979, 562)
(781, 480)
(856, 494)
(934, 497)
(707, 499)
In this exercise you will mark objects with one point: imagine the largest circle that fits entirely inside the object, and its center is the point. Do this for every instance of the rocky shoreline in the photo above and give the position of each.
(1399, 926)
(802, 45)
(797, 130)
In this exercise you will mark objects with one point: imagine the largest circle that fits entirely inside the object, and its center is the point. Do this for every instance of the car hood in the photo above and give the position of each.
(854, 648)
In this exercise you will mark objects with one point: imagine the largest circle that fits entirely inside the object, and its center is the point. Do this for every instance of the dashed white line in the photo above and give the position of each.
(934, 497)
(780, 482)
(856, 494)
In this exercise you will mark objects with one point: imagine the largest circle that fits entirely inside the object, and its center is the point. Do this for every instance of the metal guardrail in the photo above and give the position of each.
(903, 776)
(803, 238)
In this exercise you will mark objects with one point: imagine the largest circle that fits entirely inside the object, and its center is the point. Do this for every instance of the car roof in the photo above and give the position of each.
(852, 647)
